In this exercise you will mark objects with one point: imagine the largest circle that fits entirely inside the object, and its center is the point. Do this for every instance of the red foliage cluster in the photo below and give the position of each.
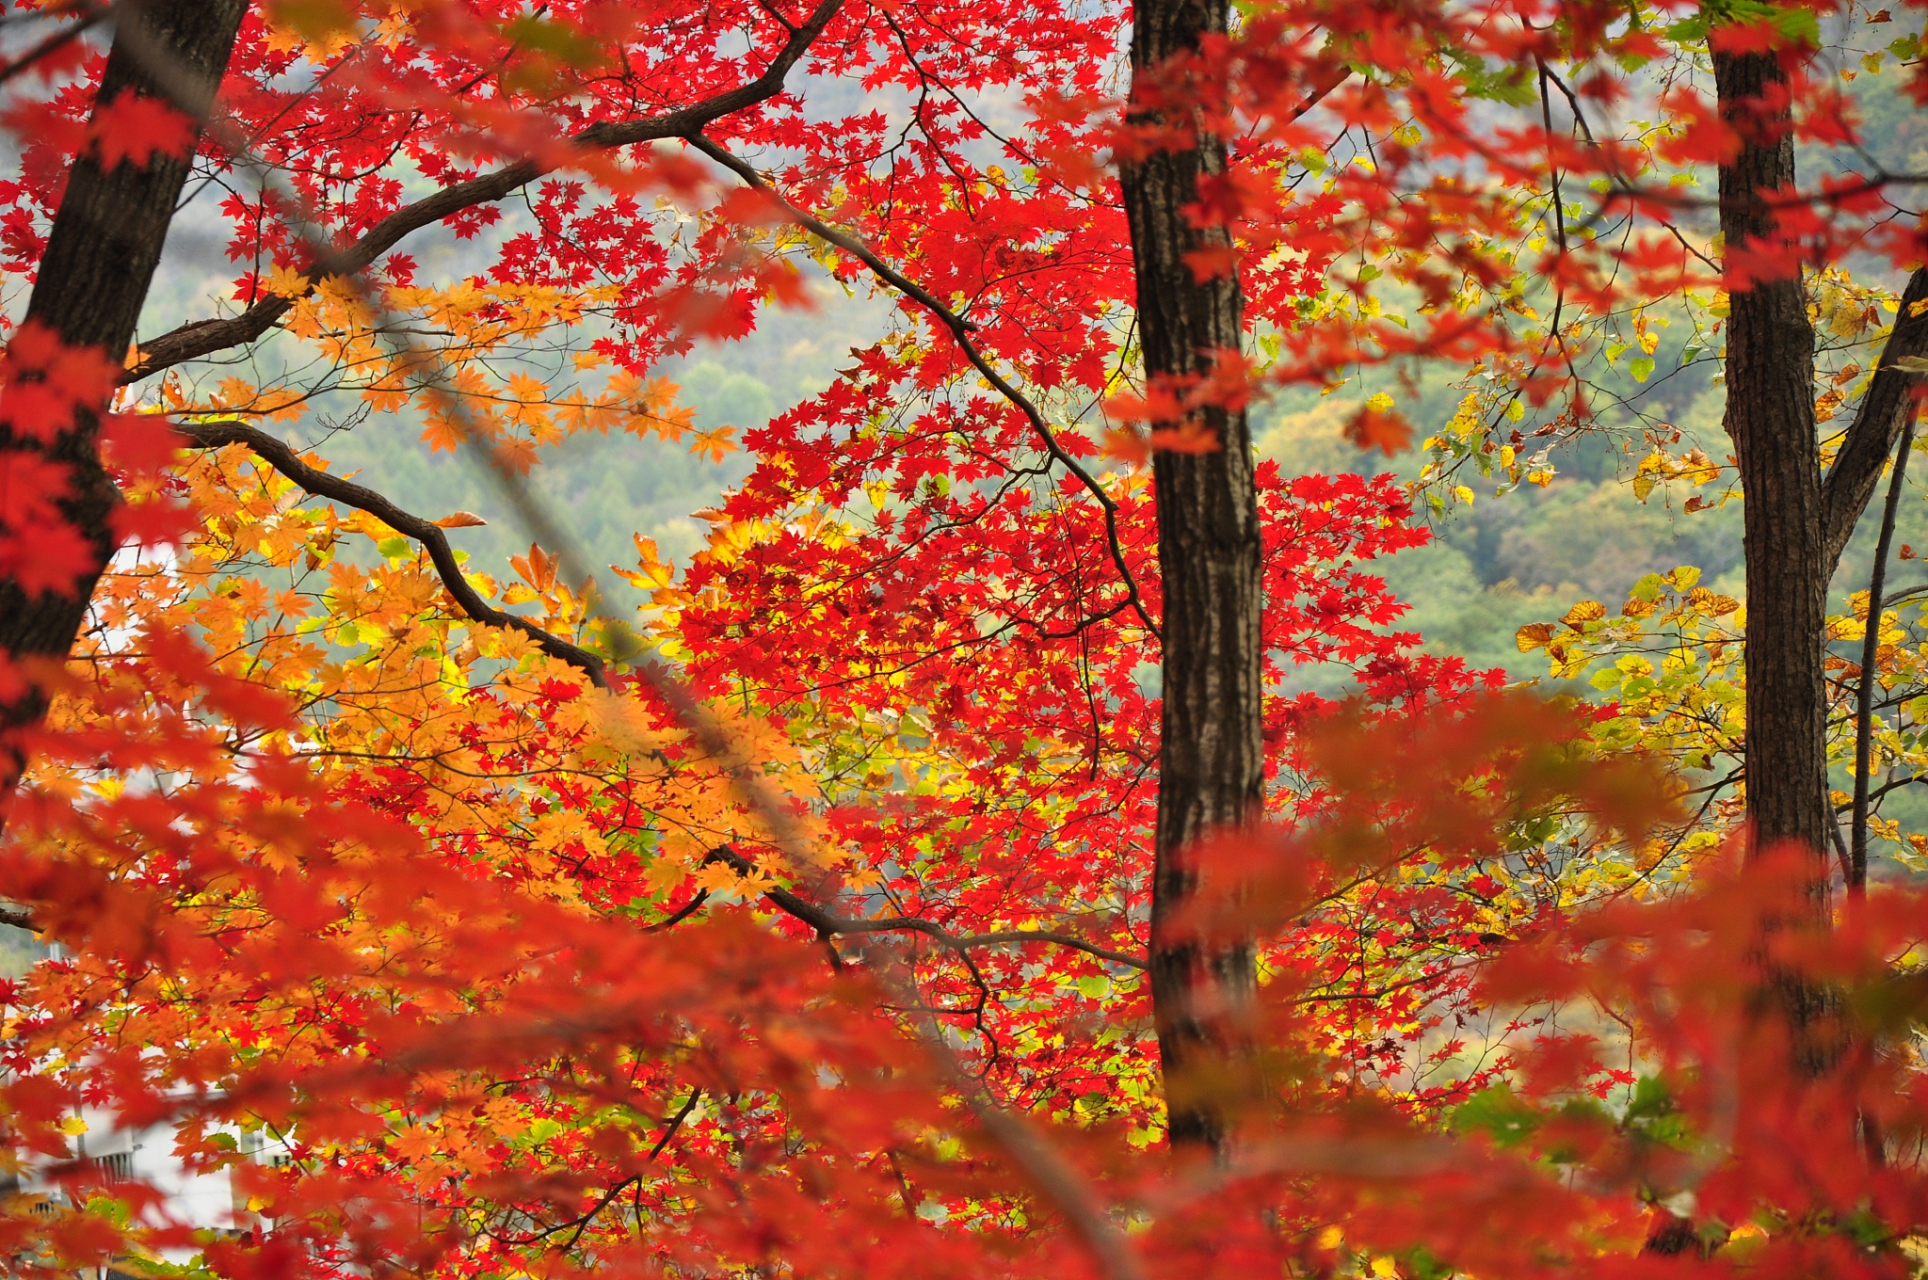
(489, 950)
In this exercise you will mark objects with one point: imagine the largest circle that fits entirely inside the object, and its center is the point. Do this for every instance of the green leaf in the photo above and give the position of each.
(1640, 367)
(554, 39)
(1652, 1101)
(1792, 22)
(1655, 1115)
(393, 548)
(1499, 1114)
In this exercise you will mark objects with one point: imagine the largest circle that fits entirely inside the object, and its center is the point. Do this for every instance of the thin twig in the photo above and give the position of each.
(828, 924)
(1857, 872)
(89, 17)
(676, 1122)
(1045, 1164)
(681, 913)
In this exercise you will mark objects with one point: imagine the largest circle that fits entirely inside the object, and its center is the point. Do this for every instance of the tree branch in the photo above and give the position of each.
(960, 331)
(1864, 689)
(213, 435)
(204, 337)
(828, 924)
(89, 16)
(1888, 404)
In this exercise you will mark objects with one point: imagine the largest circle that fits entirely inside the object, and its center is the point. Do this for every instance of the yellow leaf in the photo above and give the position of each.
(1584, 612)
(287, 282)
(1534, 635)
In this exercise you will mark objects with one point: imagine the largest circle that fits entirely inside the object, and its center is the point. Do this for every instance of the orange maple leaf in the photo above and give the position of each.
(1212, 262)
(440, 434)
(1190, 436)
(1129, 445)
(1385, 429)
(714, 444)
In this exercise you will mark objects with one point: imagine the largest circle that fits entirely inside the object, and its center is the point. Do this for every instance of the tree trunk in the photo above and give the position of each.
(1211, 752)
(101, 254)
(1770, 417)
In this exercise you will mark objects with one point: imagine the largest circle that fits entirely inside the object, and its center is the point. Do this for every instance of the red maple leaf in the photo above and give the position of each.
(35, 411)
(133, 128)
(49, 557)
(29, 486)
(138, 442)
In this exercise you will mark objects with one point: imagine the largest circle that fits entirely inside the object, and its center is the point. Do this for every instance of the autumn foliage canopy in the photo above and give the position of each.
(784, 912)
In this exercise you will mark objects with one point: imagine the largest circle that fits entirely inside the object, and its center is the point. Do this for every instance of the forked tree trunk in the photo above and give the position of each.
(1770, 417)
(101, 254)
(1796, 521)
(1211, 753)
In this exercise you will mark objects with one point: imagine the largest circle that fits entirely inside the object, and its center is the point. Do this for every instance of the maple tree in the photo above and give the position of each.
(812, 918)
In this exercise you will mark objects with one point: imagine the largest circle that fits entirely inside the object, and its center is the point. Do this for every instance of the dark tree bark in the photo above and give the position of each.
(1770, 417)
(1795, 523)
(1211, 754)
(101, 254)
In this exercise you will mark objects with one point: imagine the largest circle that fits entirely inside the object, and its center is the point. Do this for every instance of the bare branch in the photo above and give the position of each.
(213, 435)
(1887, 406)
(1865, 683)
(88, 15)
(827, 924)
